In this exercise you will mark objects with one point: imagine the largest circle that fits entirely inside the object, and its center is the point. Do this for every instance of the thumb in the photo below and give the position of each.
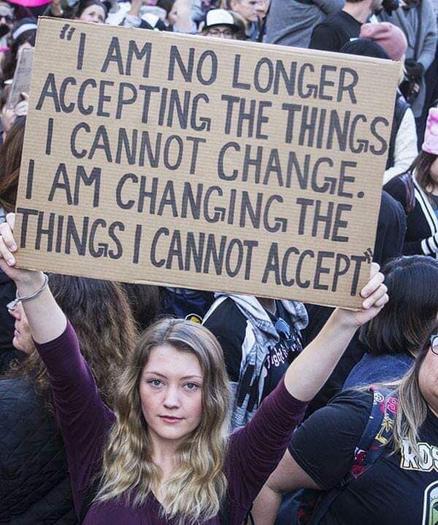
(10, 271)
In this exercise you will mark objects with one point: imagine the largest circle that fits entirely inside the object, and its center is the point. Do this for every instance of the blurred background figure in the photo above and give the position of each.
(387, 41)
(248, 11)
(340, 27)
(22, 36)
(291, 23)
(7, 19)
(91, 11)
(417, 191)
(416, 18)
(223, 24)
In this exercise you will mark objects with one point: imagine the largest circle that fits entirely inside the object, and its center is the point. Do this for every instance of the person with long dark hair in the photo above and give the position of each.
(417, 191)
(393, 338)
(165, 455)
(10, 161)
(34, 478)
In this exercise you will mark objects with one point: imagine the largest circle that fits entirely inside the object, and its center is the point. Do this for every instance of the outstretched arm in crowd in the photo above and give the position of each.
(257, 448)
(311, 369)
(82, 416)
(46, 319)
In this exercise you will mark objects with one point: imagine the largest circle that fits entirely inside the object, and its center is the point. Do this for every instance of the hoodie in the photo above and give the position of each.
(258, 347)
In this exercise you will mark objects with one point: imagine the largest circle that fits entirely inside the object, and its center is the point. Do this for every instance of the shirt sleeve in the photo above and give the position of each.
(428, 20)
(405, 150)
(324, 445)
(256, 449)
(324, 38)
(81, 414)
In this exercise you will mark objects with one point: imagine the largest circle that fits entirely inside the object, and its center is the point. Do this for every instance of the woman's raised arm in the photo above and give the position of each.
(311, 369)
(46, 319)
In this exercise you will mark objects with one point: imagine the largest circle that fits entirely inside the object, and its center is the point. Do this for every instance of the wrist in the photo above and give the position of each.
(28, 282)
(345, 319)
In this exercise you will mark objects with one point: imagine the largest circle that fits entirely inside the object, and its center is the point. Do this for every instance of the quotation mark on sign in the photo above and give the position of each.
(66, 32)
(369, 255)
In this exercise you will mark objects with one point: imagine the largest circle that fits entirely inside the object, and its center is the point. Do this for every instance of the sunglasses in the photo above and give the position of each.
(7, 18)
(434, 343)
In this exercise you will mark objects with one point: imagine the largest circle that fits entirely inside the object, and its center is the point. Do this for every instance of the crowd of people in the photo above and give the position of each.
(134, 404)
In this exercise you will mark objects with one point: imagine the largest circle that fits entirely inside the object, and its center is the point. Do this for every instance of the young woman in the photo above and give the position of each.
(34, 477)
(91, 11)
(401, 487)
(422, 206)
(165, 456)
(394, 337)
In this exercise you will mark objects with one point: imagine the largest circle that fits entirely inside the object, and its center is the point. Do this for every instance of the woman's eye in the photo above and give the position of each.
(191, 387)
(155, 382)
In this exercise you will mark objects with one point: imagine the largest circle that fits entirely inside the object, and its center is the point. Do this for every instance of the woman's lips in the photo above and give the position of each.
(170, 419)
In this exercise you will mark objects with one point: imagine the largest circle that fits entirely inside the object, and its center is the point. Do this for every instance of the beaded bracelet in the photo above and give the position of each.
(19, 299)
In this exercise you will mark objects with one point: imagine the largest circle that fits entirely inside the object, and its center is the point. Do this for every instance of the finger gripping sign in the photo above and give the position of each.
(203, 163)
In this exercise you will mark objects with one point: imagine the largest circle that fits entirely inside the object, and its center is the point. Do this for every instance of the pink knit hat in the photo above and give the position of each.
(430, 144)
(389, 36)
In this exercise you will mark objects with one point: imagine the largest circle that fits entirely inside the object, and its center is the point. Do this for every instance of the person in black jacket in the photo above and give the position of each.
(337, 29)
(34, 480)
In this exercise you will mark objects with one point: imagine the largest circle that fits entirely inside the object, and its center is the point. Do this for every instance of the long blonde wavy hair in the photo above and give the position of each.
(198, 486)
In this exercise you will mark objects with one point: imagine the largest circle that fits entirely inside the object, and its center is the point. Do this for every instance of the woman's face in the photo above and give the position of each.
(428, 379)
(93, 14)
(171, 394)
(247, 9)
(22, 338)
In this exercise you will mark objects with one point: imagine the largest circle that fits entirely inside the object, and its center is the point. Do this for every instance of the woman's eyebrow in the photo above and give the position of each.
(194, 376)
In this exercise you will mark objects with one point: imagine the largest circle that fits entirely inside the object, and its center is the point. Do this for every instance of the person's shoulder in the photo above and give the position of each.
(390, 206)
(330, 18)
(15, 389)
(224, 310)
(359, 398)
(349, 408)
(397, 186)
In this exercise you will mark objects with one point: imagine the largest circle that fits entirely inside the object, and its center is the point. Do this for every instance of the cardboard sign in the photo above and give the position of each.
(22, 77)
(203, 163)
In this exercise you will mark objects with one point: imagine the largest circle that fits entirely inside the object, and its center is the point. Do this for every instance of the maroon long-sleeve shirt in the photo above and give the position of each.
(254, 451)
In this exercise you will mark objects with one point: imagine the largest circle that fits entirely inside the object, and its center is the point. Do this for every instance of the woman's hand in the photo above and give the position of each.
(375, 297)
(26, 280)
(7, 117)
(46, 319)
(9, 114)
